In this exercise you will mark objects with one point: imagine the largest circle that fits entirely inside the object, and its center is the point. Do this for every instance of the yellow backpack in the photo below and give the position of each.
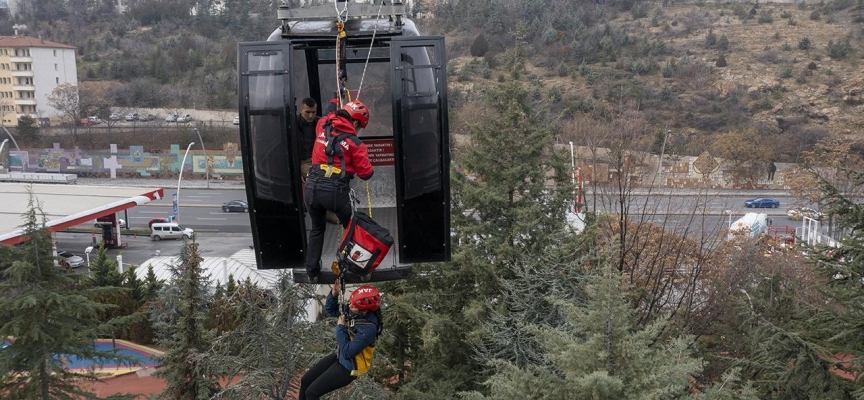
(363, 361)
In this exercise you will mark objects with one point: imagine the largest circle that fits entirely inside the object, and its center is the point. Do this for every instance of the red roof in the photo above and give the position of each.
(27, 41)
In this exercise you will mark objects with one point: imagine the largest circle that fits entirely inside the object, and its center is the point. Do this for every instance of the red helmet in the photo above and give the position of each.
(365, 298)
(358, 111)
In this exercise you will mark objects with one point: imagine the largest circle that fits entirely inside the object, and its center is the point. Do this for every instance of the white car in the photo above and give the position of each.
(184, 118)
(132, 117)
(120, 221)
(69, 260)
(146, 117)
(171, 118)
(114, 116)
(236, 121)
(95, 120)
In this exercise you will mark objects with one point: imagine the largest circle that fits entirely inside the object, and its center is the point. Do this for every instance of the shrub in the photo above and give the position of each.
(669, 69)
(786, 47)
(710, 39)
(563, 69)
(723, 43)
(804, 44)
(838, 50)
(785, 14)
(721, 62)
(786, 72)
(480, 46)
(812, 66)
(765, 17)
(555, 94)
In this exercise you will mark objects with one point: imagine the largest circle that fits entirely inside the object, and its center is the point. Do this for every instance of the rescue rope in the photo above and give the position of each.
(369, 54)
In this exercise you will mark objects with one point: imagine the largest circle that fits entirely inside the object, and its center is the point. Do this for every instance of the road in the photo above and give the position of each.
(222, 234)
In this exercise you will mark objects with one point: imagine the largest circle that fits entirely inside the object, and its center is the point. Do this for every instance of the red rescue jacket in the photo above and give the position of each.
(353, 149)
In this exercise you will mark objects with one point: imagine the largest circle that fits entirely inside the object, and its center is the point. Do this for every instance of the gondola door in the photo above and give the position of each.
(270, 154)
(422, 148)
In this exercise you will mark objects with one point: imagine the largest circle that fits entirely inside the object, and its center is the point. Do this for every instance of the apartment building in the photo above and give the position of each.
(30, 69)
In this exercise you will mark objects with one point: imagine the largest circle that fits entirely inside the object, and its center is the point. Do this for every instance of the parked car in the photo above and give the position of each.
(85, 122)
(235, 206)
(156, 221)
(762, 202)
(95, 120)
(169, 230)
(171, 118)
(114, 116)
(236, 121)
(184, 118)
(798, 213)
(132, 117)
(146, 117)
(120, 221)
(69, 260)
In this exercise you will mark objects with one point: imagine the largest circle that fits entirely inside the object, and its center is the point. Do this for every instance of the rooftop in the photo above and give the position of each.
(27, 41)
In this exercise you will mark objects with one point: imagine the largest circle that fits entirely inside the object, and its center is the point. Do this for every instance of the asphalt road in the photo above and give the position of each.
(222, 234)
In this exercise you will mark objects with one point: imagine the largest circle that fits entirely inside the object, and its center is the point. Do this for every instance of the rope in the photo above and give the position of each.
(368, 196)
(340, 26)
(369, 54)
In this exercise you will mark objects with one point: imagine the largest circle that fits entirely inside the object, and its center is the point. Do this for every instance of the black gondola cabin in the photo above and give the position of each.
(404, 85)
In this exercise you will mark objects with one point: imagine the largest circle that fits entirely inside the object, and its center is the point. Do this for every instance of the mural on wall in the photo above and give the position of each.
(133, 161)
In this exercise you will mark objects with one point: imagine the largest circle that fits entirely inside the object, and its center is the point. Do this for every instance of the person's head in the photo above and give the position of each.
(364, 299)
(358, 113)
(308, 109)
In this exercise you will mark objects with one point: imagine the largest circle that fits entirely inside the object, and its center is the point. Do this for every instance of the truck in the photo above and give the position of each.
(750, 226)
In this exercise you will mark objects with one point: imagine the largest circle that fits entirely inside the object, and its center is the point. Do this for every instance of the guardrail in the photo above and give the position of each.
(39, 177)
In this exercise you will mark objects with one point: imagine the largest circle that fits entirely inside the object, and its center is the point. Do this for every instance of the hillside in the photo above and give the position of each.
(792, 72)
(791, 77)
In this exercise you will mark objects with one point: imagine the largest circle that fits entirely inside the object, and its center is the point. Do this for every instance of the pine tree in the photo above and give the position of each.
(504, 212)
(271, 344)
(48, 316)
(182, 331)
(602, 353)
(103, 271)
(152, 284)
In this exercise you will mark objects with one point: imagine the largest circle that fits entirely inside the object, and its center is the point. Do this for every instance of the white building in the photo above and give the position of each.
(30, 69)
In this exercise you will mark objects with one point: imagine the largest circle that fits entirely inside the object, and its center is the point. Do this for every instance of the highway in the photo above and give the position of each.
(702, 218)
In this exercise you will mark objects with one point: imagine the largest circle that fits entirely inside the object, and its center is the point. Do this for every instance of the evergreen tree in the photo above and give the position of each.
(152, 284)
(602, 353)
(504, 212)
(48, 316)
(271, 344)
(103, 271)
(182, 331)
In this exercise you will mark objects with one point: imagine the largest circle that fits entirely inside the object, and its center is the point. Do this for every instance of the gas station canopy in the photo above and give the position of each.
(65, 206)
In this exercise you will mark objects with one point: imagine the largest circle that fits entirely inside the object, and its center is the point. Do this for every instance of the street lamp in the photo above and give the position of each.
(730, 217)
(2, 145)
(181, 177)
(206, 164)
(10, 137)
(87, 251)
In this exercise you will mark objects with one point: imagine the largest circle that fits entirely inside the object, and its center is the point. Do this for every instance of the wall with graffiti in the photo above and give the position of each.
(129, 162)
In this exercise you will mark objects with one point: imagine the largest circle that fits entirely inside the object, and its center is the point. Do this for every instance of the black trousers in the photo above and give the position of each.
(326, 376)
(323, 195)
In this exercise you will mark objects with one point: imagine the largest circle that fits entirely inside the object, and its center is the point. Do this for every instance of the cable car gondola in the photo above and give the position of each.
(401, 76)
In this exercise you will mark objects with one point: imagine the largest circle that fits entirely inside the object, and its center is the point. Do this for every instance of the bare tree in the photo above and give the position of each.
(65, 98)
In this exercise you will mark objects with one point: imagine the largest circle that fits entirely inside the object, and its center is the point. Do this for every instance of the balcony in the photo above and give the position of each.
(22, 73)
(21, 59)
(25, 102)
(24, 88)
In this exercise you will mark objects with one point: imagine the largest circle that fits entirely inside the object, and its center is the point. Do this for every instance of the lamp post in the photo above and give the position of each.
(206, 164)
(87, 251)
(2, 145)
(730, 218)
(10, 137)
(182, 164)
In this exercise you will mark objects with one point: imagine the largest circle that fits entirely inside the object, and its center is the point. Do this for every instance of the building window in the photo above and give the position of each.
(57, 80)
(55, 53)
(55, 67)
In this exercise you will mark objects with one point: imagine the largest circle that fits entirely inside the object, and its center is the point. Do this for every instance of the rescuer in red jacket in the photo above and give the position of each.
(338, 155)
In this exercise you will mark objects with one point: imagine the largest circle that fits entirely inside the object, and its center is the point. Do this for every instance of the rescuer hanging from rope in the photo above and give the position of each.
(356, 332)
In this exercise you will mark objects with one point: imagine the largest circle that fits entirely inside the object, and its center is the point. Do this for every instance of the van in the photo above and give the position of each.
(169, 230)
